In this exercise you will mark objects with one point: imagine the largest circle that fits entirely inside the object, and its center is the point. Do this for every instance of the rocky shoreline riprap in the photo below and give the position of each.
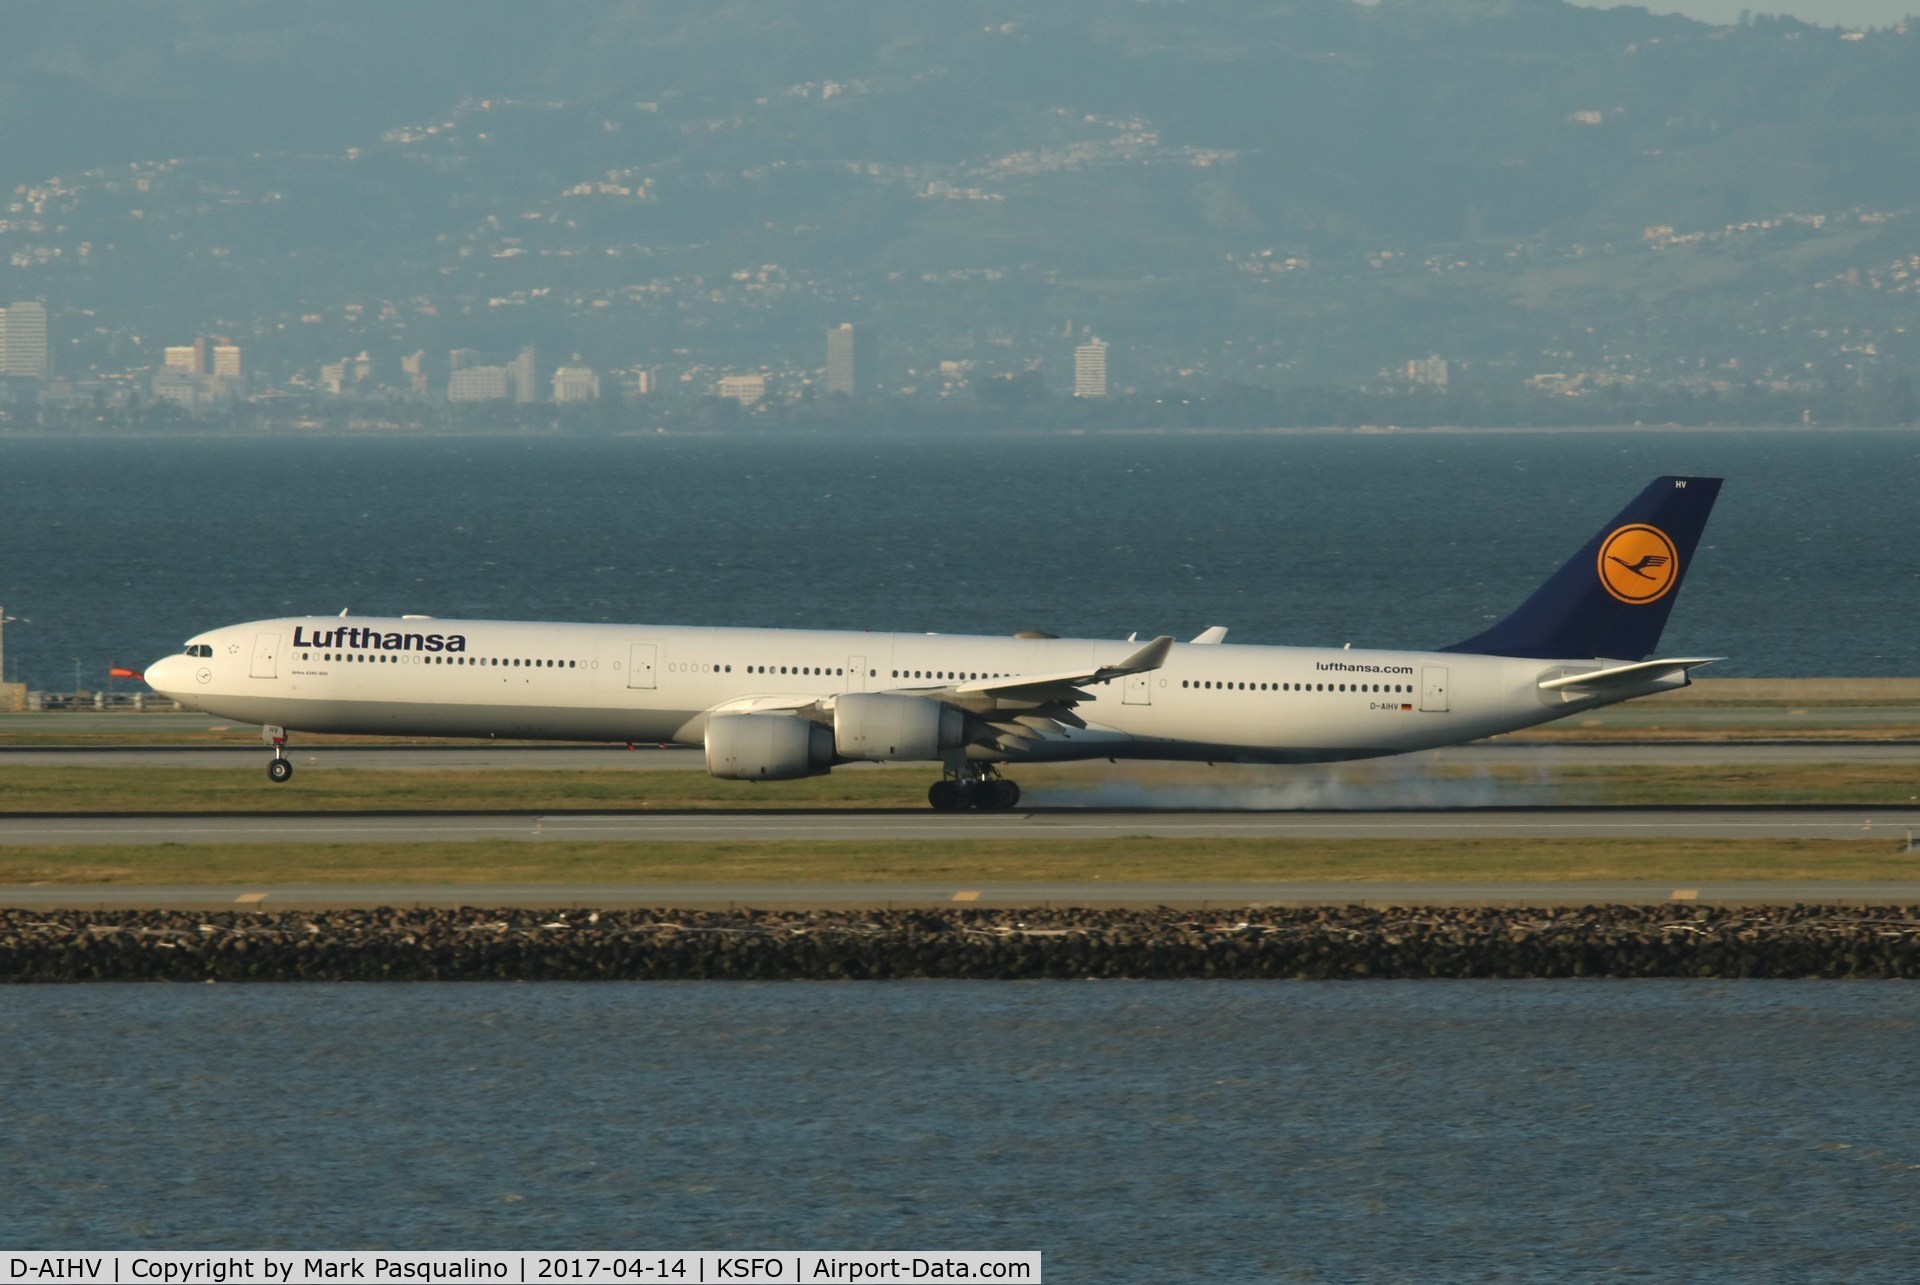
(1332, 942)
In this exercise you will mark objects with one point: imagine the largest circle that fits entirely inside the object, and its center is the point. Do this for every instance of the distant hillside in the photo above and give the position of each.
(1252, 190)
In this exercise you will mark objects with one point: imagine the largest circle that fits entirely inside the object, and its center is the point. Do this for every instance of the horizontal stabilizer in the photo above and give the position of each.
(1647, 671)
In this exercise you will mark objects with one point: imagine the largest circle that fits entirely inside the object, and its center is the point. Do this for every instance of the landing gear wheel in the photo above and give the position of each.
(1001, 796)
(944, 796)
(281, 770)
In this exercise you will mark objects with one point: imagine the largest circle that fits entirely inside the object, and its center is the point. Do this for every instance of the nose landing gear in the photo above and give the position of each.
(974, 787)
(280, 768)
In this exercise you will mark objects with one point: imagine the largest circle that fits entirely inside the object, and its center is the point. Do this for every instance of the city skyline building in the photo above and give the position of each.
(575, 383)
(1428, 372)
(1090, 369)
(480, 384)
(850, 359)
(520, 373)
(182, 387)
(745, 389)
(23, 341)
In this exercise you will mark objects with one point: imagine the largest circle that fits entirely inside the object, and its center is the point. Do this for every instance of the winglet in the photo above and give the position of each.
(1211, 634)
(1151, 656)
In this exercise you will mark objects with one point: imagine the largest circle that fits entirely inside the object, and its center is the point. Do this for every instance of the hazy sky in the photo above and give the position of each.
(1829, 13)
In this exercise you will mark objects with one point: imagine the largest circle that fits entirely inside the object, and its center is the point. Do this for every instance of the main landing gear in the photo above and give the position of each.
(974, 787)
(280, 769)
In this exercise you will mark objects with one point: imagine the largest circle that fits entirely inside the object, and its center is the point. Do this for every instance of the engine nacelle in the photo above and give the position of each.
(880, 727)
(767, 747)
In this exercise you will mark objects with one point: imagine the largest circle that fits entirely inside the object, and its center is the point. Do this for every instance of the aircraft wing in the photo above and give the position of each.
(1067, 686)
(1021, 692)
(1647, 671)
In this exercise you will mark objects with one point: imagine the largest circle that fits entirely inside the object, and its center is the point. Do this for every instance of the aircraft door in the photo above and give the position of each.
(1139, 689)
(266, 656)
(640, 665)
(1433, 688)
(856, 673)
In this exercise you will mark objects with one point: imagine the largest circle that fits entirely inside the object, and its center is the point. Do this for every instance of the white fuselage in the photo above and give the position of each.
(631, 683)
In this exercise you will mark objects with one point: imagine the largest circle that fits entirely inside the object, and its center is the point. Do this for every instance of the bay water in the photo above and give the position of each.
(114, 550)
(1133, 1131)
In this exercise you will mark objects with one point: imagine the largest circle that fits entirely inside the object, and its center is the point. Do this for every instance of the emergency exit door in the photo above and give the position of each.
(1433, 688)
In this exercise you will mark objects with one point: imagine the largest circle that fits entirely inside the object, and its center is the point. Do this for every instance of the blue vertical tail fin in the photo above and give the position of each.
(1612, 598)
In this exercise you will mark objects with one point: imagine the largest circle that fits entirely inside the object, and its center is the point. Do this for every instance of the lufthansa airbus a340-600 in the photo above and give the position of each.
(777, 704)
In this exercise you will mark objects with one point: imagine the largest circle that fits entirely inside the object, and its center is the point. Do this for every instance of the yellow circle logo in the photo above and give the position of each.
(1638, 564)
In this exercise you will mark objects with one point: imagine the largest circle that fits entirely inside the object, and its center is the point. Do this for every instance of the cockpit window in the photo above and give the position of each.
(199, 649)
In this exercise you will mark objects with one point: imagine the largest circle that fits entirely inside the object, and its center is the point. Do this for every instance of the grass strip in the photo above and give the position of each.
(156, 789)
(968, 863)
(1670, 728)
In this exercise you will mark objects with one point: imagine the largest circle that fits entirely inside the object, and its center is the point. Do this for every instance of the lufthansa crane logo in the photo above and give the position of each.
(1638, 564)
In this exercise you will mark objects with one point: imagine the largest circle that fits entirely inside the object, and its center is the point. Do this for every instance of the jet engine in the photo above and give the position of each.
(767, 747)
(879, 726)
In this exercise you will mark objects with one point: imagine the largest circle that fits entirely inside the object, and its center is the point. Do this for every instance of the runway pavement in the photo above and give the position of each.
(984, 895)
(1893, 824)
(653, 758)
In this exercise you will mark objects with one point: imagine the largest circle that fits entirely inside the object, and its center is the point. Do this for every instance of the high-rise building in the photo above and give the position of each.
(575, 383)
(184, 358)
(1090, 369)
(414, 367)
(226, 361)
(850, 359)
(23, 341)
(520, 373)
